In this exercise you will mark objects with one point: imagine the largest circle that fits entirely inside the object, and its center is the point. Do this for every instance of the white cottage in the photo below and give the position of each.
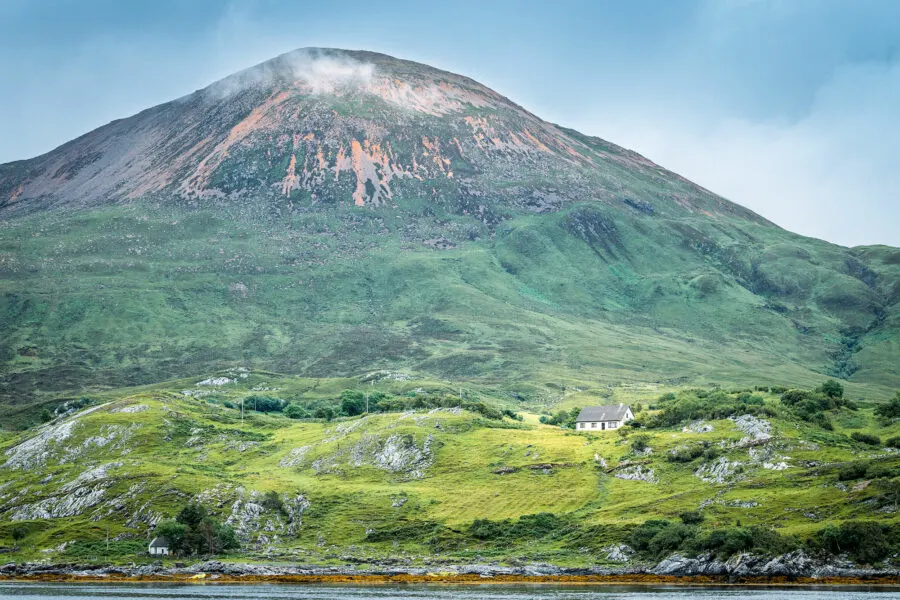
(601, 418)
(159, 546)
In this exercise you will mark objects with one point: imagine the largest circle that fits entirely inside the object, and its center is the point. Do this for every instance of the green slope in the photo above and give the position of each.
(414, 483)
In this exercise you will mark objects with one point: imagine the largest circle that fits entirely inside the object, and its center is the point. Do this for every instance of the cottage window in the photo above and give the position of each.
(613, 425)
(593, 425)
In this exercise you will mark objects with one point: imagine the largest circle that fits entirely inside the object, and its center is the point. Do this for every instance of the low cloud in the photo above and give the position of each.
(831, 173)
(320, 71)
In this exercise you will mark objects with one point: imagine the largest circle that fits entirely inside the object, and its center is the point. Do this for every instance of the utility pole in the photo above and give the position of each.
(367, 402)
(242, 411)
(107, 539)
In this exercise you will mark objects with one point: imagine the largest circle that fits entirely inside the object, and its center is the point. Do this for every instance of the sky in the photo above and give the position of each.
(789, 107)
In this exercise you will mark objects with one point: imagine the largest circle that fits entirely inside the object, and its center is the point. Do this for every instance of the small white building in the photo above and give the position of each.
(159, 547)
(601, 418)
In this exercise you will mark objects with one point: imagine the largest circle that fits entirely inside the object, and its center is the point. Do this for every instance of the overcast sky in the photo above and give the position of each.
(791, 108)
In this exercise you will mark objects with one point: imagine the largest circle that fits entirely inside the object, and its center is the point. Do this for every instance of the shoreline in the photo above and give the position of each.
(458, 579)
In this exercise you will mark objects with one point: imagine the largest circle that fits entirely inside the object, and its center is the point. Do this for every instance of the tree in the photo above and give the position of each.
(891, 410)
(46, 416)
(207, 533)
(352, 402)
(191, 515)
(832, 389)
(295, 411)
(171, 530)
(264, 404)
(19, 532)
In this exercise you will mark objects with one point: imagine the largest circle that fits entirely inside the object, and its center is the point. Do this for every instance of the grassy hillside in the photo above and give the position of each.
(123, 296)
(434, 481)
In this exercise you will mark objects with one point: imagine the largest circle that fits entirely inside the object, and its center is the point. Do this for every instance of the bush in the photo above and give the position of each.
(295, 411)
(263, 404)
(865, 438)
(353, 403)
(891, 410)
(853, 471)
(685, 454)
(691, 517)
(272, 501)
(640, 443)
(893, 442)
(19, 532)
(865, 541)
(831, 388)
(701, 404)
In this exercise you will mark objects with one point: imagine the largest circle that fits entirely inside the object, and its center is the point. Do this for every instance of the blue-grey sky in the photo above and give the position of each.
(789, 107)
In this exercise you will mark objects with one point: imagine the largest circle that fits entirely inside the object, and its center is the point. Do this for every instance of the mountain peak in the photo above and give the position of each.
(321, 125)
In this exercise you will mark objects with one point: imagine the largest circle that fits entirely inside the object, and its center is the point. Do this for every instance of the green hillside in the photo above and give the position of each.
(119, 296)
(463, 484)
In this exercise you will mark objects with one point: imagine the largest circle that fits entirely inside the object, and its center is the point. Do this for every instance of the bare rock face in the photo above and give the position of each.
(400, 454)
(757, 430)
(637, 473)
(258, 525)
(719, 471)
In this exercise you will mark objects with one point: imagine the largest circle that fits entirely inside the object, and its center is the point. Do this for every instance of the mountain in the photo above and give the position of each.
(330, 213)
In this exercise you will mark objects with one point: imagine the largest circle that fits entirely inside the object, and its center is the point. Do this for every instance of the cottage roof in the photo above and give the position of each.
(615, 412)
(160, 542)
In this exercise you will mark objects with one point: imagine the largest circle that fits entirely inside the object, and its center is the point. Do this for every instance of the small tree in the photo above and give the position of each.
(171, 530)
(352, 402)
(191, 515)
(295, 411)
(19, 532)
(832, 389)
(891, 410)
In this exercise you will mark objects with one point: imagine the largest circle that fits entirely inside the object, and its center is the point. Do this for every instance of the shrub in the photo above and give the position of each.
(272, 501)
(831, 388)
(893, 442)
(263, 404)
(644, 533)
(691, 517)
(352, 402)
(852, 471)
(324, 412)
(639, 443)
(685, 454)
(295, 411)
(865, 438)
(891, 410)
(865, 541)
(792, 397)
(19, 532)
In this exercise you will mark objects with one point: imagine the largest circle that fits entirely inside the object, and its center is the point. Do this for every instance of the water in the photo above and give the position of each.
(58, 591)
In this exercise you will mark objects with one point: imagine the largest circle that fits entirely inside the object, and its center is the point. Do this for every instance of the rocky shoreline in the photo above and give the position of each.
(796, 567)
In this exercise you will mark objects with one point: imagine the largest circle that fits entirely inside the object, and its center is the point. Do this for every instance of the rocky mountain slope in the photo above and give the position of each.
(331, 212)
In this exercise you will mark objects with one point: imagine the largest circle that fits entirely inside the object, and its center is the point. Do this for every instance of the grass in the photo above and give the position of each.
(121, 296)
(181, 447)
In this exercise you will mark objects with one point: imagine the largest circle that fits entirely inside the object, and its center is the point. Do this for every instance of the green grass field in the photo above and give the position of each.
(413, 483)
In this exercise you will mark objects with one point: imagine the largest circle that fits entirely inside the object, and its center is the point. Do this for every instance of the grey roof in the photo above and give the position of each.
(616, 412)
(160, 542)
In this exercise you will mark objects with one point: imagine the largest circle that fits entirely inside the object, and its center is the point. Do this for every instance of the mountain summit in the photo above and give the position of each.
(318, 125)
(333, 212)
